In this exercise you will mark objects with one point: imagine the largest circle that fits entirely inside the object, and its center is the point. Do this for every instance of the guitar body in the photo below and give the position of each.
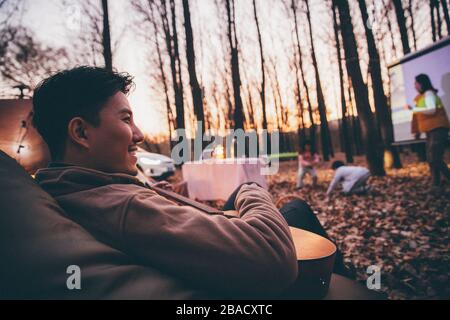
(315, 256)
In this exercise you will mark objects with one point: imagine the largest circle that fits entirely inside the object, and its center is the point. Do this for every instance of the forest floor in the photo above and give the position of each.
(399, 226)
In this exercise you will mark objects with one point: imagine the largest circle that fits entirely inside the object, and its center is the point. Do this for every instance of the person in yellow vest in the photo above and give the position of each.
(429, 117)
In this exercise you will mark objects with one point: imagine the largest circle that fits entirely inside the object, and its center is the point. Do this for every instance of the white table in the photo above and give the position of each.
(215, 179)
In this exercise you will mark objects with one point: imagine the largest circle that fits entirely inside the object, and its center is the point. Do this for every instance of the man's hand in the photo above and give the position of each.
(163, 185)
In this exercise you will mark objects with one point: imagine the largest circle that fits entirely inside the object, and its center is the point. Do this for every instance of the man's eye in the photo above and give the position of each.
(127, 120)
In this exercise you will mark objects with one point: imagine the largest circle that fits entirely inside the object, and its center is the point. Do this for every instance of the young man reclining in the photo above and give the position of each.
(85, 118)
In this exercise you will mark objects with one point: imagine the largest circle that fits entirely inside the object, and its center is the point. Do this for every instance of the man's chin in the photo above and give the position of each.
(133, 171)
(130, 170)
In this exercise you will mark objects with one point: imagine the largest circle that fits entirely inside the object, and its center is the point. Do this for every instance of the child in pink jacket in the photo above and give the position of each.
(307, 160)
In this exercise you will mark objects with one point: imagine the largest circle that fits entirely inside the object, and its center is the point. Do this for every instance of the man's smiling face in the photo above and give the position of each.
(112, 145)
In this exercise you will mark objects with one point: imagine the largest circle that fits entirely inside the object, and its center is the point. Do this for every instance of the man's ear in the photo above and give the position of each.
(77, 132)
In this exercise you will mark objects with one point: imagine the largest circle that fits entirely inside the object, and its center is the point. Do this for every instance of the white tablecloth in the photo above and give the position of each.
(216, 179)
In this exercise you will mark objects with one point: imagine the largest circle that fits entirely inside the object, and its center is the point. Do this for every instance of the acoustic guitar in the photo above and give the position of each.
(315, 254)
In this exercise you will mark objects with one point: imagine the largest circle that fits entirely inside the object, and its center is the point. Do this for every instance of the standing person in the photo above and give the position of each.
(307, 160)
(353, 179)
(429, 117)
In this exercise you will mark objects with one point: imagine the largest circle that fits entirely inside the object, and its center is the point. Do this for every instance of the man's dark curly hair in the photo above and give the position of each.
(79, 92)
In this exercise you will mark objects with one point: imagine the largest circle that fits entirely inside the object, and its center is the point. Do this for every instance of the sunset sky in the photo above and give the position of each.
(56, 22)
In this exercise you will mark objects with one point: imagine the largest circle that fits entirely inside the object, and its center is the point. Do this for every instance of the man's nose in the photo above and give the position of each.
(138, 136)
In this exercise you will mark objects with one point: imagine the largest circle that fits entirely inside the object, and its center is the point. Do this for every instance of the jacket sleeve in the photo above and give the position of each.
(316, 158)
(303, 162)
(249, 256)
(336, 179)
(430, 104)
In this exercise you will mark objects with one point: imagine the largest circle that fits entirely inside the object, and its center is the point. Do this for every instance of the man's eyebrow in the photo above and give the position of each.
(126, 110)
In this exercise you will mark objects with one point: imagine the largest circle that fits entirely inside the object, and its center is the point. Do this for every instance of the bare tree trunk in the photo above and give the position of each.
(249, 102)
(413, 29)
(238, 116)
(379, 38)
(374, 145)
(208, 119)
(278, 96)
(327, 148)
(446, 15)
(389, 25)
(355, 123)
(439, 20)
(176, 54)
(433, 21)
(106, 39)
(190, 57)
(171, 39)
(401, 21)
(302, 73)
(170, 116)
(383, 114)
(227, 109)
(345, 134)
(228, 98)
(298, 97)
(251, 110)
(278, 107)
(262, 91)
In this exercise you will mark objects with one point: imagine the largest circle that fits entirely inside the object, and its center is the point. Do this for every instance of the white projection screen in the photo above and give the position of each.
(433, 61)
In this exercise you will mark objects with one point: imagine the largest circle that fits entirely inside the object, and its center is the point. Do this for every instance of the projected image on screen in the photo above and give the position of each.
(436, 64)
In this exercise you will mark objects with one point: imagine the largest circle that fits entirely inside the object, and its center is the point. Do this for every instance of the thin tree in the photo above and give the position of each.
(356, 123)
(278, 97)
(390, 28)
(262, 90)
(148, 11)
(106, 37)
(345, 132)
(374, 145)
(94, 43)
(312, 134)
(412, 27)
(446, 15)
(238, 115)
(383, 114)
(170, 117)
(248, 97)
(223, 74)
(178, 72)
(438, 20)
(276, 94)
(401, 21)
(228, 110)
(327, 148)
(172, 49)
(298, 97)
(190, 56)
(24, 61)
(433, 20)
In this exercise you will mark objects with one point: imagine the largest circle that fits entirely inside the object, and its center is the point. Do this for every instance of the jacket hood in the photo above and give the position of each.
(59, 181)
